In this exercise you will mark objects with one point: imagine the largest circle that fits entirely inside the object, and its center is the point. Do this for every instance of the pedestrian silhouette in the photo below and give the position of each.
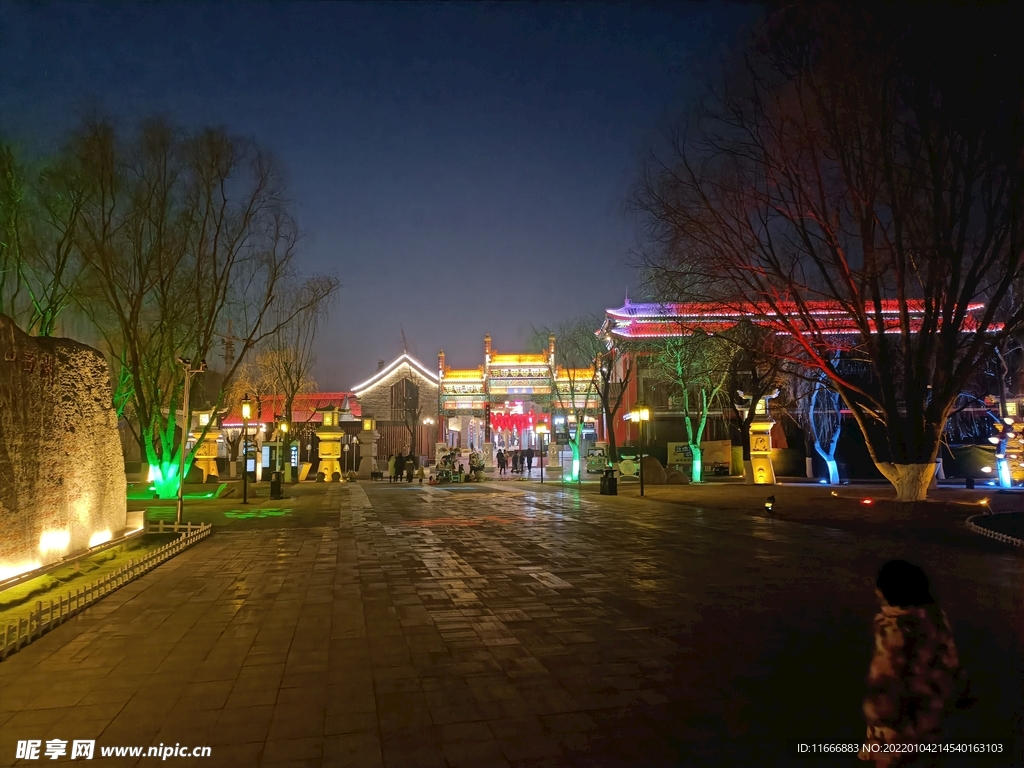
(915, 675)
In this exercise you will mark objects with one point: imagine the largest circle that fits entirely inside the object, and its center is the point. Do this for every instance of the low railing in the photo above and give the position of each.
(46, 617)
(160, 526)
(1003, 537)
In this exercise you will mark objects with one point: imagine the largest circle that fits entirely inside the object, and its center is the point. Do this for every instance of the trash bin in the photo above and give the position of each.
(609, 483)
(276, 485)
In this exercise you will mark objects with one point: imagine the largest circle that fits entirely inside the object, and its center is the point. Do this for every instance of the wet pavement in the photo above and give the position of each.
(504, 625)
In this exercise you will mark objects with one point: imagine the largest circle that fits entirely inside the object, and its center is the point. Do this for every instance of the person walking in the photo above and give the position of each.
(529, 461)
(410, 466)
(915, 678)
(502, 463)
(515, 462)
(391, 468)
(399, 467)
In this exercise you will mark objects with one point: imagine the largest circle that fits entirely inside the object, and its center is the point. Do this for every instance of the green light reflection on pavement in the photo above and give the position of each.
(170, 513)
(135, 494)
(238, 514)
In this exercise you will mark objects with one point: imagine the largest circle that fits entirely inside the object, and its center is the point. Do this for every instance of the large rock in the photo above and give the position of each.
(654, 473)
(678, 477)
(62, 478)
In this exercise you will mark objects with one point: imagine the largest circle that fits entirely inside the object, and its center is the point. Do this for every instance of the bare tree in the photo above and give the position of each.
(411, 409)
(287, 356)
(756, 368)
(39, 262)
(858, 188)
(821, 417)
(614, 371)
(697, 367)
(574, 377)
(179, 235)
(251, 378)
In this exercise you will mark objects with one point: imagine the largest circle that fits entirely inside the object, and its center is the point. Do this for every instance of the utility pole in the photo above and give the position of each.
(186, 424)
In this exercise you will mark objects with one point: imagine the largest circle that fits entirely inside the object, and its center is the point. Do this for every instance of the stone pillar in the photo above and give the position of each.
(367, 452)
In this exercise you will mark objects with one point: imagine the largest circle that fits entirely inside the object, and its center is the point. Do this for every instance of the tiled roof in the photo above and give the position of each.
(645, 321)
(403, 359)
(304, 408)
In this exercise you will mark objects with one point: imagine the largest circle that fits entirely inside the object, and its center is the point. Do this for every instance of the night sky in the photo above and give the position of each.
(463, 168)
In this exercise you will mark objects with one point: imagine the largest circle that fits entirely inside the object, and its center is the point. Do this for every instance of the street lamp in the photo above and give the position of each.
(186, 424)
(283, 427)
(345, 449)
(640, 414)
(246, 415)
(541, 430)
(428, 422)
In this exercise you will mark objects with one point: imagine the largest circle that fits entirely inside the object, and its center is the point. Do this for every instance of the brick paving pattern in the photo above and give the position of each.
(484, 626)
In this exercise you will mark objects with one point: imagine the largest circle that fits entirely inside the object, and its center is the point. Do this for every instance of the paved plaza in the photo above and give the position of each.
(506, 624)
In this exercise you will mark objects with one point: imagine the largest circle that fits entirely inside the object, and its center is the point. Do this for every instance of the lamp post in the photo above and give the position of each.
(283, 427)
(541, 430)
(345, 449)
(186, 423)
(640, 414)
(246, 415)
(428, 422)
(368, 447)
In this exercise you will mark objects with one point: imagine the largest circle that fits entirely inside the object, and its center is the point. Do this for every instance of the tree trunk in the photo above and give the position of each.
(233, 446)
(830, 461)
(911, 481)
(697, 470)
(258, 442)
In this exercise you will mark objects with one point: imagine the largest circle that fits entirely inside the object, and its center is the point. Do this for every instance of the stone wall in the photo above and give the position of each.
(62, 478)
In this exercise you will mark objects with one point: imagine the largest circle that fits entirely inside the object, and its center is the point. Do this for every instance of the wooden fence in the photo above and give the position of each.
(46, 617)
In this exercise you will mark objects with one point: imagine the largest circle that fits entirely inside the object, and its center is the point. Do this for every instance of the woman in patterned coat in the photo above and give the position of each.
(915, 671)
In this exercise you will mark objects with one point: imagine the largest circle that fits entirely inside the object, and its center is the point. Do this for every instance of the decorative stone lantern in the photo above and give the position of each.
(368, 447)
(330, 433)
(206, 451)
(761, 470)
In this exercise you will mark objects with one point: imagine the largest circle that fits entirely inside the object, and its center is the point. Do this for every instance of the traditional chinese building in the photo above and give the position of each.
(509, 394)
(307, 417)
(628, 327)
(402, 397)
